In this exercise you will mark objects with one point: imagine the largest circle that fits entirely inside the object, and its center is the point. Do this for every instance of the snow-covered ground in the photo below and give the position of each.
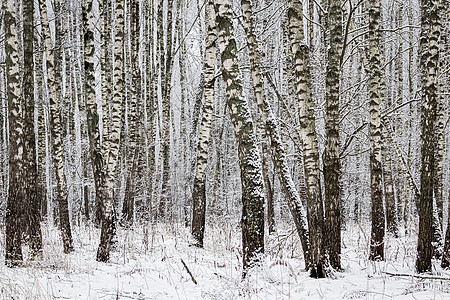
(147, 264)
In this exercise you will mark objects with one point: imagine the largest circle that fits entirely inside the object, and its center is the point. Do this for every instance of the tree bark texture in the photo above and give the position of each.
(31, 205)
(272, 131)
(166, 61)
(375, 94)
(332, 164)
(16, 191)
(308, 130)
(54, 65)
(113, 138)
(249, 157)
(429, 63)
(96, 156)
(199, 191)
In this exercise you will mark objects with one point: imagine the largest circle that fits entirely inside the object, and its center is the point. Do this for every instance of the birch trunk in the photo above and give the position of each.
(150, 77)
(32, 204)
(199, 191)
(429, 62)
(96, 155)
(249, 157)
(332, 164)
(166, 78)
(53, 65)
(16, 190)
(374, 83)
(133, 114)
(108, 218)
(41, 134)
(153, 105)
(272, 132)
(308, 130)
(391, 210)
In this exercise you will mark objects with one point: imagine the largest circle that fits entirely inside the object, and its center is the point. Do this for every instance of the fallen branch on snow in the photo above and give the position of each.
(189, 272)
(417, 276)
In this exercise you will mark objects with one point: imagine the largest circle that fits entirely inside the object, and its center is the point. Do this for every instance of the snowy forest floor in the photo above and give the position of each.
(148, 266)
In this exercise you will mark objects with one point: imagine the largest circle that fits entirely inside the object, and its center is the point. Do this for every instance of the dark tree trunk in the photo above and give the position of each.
(429, 62)
(252, 221)
(375, 86)
(31, 206)
(17, 184)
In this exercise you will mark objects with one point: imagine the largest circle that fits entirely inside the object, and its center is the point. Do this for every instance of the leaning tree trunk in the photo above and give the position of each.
(199, 191)
(53, 64)
(16, 190)
(249, 157)
(108, 216)
(32, 204)
(272, 132)
(375, 77)
(429, 62)
(308, 130)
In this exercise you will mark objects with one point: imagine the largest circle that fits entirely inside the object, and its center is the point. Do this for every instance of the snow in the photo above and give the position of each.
(155, 270)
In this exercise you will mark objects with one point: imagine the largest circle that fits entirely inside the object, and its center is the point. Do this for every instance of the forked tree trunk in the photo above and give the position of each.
(249, 157)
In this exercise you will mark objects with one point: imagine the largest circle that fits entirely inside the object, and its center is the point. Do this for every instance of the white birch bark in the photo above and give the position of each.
(249, 155)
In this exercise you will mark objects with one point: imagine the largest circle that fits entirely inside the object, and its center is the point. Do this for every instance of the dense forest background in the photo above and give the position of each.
(317, 116)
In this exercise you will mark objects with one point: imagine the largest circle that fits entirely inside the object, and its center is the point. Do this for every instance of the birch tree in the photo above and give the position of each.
(108, 216)
(272, 131)
(53, 64)
(249, 157)
(199, 191)
(96, 156)
(166, 62)
(309, 136)
(133, 113)
(429, 62)
(332, 165)
(17, 184)
(31, 202)
(374, 83)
